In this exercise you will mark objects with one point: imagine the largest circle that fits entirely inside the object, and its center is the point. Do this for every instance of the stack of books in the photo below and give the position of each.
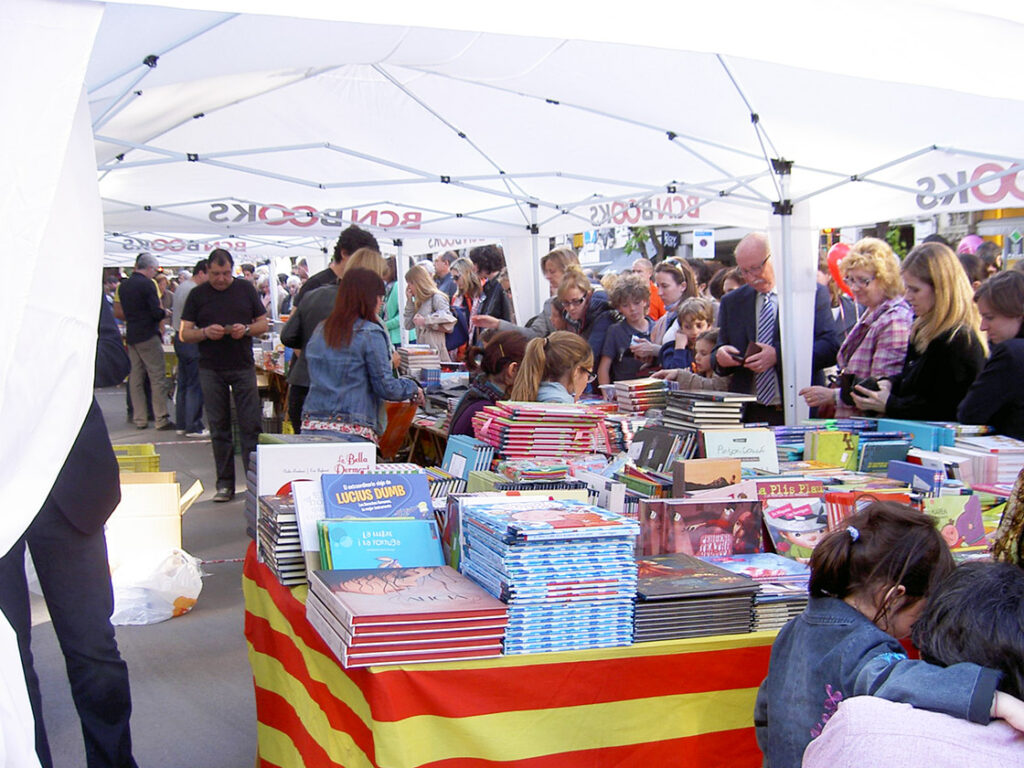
(683, 596)
(412, 358)
(639, 395)
(404, 615)
(464, 454)
(529, 470)
(621, 429)
(277, 539)
(485, 482)
(998, 457)
(782, 586)
(522, 430)
(442, 483)
(565, 569)
(702, 410)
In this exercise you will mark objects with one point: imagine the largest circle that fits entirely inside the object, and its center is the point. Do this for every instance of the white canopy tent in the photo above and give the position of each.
(444, 121)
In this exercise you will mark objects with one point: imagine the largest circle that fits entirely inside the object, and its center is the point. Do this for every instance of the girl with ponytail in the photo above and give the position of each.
(555, 370)
(868, 585)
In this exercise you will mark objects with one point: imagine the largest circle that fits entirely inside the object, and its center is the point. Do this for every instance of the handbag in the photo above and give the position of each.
(459, 333)
(444, 310)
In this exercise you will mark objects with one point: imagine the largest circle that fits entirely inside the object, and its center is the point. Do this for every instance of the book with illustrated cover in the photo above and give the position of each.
(699, 526)
(832, 447)
(394, 543)
(537, 519)
(377, 496)
(402, 595)
(958, 519)
(796, 525)
(704, 474)
(680, 575)
(765, 567)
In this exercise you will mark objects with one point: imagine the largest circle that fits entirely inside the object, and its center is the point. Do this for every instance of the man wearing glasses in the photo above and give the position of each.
(749, 344)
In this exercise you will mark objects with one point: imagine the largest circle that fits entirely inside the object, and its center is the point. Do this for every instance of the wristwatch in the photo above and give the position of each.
(247, 330)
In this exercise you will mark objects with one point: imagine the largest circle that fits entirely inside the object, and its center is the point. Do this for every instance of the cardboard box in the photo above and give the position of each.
(149, 515)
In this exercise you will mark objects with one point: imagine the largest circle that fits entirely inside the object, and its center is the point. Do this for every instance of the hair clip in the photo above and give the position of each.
(501, 352)
(854, 533)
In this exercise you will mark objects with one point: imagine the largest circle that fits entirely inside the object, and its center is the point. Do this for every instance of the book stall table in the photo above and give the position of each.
(678, 703)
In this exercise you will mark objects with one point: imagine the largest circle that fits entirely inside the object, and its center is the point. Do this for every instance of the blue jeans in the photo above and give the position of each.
(188, 400)
(218, 389)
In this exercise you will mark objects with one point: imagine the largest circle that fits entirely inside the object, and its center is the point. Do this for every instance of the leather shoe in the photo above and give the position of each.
(223, 494)
(166, 427)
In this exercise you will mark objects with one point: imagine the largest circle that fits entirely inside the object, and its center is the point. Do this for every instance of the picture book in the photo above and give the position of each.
(400, 595)
(309, 510)
(764, 566)
(691, 475)
(538, 519)
(278, 465)
(832, 447)
(394, 543)
(463, 454)
(754, 447)
(918, 477)
(958, 519)
(681, 575)
(796, 525)
(377, 496)
(699, 526)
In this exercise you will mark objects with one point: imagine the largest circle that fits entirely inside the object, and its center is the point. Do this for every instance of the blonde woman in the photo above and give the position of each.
(876, 346)
(427, 310)
(555, 370)
(947, 350)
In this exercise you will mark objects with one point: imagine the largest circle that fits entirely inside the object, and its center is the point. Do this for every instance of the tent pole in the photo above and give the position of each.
(400, 287)
(538, 301)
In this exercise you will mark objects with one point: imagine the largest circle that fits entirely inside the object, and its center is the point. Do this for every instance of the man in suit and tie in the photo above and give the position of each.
(69, 551)
(748, 320)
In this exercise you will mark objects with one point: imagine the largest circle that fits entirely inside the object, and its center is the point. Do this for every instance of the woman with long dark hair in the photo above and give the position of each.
(499, 365)
(350, 364)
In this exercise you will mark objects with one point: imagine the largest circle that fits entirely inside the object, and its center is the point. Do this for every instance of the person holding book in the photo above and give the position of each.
(975, 616)
(555, 370)
(675, 282)
(631, 297)
(869, 581)
(876, 346)
(427, 310)
(946, 349)
(991, 399)
(499, 366)
(701, 374)
(350, 364)
(694, 316)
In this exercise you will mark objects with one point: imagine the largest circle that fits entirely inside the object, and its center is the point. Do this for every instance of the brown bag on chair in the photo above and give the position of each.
(400, 417)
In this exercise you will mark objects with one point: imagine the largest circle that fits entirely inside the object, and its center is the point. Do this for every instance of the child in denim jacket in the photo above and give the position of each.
(867, 586)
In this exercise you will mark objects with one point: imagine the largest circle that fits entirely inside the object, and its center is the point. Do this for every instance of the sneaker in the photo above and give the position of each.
(180, 431)
(223, 494)
(165, 427)
(200, 433)
(142, 426)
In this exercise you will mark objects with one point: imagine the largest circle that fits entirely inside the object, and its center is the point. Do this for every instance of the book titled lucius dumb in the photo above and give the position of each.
(377, 496)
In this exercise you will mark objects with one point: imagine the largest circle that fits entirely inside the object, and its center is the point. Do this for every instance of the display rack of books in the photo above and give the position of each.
(565, 569)
(521, 430)
(679, 596)
(277, 539)
(412, 358)
(640, 395)
(403, 615)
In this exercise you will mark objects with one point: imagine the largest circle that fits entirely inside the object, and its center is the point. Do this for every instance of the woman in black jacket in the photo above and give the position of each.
(946, 349)
(996, 397)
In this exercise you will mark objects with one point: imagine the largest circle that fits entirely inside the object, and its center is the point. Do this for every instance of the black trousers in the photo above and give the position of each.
(75, 578)
(296, 399)
(219, 387)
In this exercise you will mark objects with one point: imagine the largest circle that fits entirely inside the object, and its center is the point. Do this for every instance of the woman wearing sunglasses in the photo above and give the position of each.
(877, 345)
(583, 310)
(555, 370)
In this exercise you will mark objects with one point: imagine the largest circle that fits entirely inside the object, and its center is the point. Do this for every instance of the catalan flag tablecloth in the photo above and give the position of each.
(675, 703)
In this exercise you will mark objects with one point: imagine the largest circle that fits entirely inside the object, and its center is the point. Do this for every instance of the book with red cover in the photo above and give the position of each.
(398, 595)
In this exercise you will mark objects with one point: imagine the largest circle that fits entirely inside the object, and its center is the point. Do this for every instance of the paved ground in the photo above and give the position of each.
(190, 677)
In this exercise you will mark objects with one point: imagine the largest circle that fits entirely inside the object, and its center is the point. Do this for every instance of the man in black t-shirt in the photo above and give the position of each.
(221, 316)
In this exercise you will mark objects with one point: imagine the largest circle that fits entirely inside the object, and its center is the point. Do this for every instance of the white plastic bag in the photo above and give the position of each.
(154, 586)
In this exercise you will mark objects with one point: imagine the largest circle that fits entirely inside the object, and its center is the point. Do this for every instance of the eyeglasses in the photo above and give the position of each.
(860, 282)
(575, 302)
(591, 376)
(755, 270)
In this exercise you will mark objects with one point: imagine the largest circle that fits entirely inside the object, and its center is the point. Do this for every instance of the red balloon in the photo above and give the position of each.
(836, 254)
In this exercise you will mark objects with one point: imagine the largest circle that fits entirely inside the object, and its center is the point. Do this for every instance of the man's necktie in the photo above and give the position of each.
(766, 382)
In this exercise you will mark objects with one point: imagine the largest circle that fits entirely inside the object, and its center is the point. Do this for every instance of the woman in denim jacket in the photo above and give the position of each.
(868, 584)
(350, 364)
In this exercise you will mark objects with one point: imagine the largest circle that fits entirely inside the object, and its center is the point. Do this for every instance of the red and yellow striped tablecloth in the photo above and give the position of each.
(676, 703)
